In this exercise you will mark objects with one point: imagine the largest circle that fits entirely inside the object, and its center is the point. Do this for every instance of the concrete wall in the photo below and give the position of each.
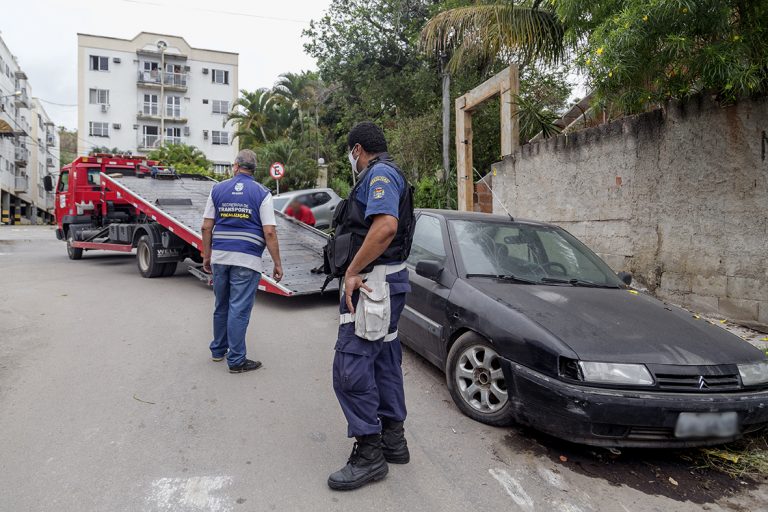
(678, 197)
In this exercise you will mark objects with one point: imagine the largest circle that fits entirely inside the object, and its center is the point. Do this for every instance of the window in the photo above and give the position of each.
(63, 182)
(220, 138)
(150, 105)
(98, 129)
(98, 96)
(99, 63)
(316, 199)
(173, 106)
(219, 76)
(220, 107)
(428, 243)
(222, 168)
(151, 136)
(94, 177)
(173, 135)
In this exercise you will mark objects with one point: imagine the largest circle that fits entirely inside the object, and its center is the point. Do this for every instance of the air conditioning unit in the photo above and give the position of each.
(187, 68)
(116, 126)
(205, 102)
(104, 107)
(186, 131)
(116, 60)
(205, 134)
(135, 127)
(205, 71)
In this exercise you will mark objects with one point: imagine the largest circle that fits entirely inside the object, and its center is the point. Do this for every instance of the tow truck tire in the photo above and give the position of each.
(146, 258)
(73, 252)
(169, 269)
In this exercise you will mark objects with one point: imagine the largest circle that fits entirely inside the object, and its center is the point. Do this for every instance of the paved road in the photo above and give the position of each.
(109, 402)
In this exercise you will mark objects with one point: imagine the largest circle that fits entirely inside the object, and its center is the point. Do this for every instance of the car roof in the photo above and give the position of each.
(303, 191)
(479, 216)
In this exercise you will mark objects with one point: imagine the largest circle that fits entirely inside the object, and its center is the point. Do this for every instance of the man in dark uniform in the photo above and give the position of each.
(376, 224)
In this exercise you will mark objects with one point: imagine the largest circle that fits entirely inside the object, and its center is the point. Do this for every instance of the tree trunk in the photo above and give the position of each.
(446, 128)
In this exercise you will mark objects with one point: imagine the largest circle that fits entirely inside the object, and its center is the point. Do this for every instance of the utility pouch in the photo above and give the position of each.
(337, 255)
(373, 312)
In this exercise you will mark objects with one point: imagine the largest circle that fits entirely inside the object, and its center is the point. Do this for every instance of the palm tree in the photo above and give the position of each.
(482, 33)
(250, 115)
(300, 91)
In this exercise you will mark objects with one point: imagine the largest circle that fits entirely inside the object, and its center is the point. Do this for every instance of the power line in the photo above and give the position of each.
(57, 104)
(218, 11)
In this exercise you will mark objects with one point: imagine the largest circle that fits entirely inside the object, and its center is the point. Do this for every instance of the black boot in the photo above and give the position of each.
(395, 447)
(366, 464)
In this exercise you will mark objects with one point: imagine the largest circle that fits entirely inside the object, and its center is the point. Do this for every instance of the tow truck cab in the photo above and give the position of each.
(81, 201)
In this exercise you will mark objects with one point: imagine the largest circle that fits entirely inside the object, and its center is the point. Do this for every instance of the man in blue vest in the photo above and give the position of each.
(374, 227)
(238, 223)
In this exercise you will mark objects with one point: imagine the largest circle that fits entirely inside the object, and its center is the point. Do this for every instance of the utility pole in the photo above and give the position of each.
(162, 46)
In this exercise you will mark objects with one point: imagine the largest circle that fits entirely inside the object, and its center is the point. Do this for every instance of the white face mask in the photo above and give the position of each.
(353, 162)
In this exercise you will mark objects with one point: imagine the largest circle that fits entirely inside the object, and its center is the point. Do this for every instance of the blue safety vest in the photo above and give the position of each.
(238, 226)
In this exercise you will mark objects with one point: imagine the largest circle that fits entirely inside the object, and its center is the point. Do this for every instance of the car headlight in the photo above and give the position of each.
(616, 373)
(754, 373)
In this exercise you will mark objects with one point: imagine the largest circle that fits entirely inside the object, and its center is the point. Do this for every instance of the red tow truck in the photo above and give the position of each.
(121, 203)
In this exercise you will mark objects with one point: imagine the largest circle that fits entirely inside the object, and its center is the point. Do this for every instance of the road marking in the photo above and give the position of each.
(513, 488)
(191, 494)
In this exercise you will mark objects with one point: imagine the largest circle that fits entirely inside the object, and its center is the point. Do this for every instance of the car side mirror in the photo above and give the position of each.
(626, 277)
(430, 269)
(48, 183)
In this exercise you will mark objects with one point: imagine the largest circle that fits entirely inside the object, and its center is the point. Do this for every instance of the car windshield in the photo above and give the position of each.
(279, 202)
(528, 253)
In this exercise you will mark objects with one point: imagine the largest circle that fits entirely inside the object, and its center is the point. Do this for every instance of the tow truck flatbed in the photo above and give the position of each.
(176, 204)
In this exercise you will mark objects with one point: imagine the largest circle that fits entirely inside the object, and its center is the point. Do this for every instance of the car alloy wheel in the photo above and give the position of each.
(479, 379)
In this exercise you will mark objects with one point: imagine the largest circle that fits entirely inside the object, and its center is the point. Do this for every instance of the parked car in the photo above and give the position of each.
(322, 201)
(529, 325)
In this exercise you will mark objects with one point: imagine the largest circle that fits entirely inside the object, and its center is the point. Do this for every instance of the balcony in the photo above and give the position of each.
(21, 85)
(171, 81)
(149, 142)
(21, 184)
(50, 140)
(21, 156)
(173, 113)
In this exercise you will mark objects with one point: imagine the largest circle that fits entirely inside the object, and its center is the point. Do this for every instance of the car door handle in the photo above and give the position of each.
(332, 208)
(455, 316)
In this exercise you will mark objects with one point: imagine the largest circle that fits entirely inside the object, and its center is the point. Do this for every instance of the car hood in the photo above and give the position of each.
(614, 325)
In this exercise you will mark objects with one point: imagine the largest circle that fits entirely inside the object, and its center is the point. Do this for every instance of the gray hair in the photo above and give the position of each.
(246, 159)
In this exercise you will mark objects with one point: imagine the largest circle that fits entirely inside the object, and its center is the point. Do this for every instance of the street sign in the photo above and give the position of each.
(277, 170)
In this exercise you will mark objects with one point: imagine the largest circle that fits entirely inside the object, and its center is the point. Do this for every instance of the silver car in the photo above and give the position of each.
(322, 202)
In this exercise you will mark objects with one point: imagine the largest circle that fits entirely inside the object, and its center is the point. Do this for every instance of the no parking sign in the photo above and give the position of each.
(277, 171)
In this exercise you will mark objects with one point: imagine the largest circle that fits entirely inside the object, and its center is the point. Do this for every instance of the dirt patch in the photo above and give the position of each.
(669, 473)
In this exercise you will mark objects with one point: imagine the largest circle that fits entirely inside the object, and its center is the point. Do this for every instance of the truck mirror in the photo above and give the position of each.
(48, 183)
(626, 277)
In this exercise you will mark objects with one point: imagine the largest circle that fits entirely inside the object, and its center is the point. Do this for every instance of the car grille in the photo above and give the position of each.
(696, 379)
(702, 383)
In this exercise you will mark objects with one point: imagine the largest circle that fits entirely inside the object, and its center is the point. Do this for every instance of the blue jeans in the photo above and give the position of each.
(235, 290)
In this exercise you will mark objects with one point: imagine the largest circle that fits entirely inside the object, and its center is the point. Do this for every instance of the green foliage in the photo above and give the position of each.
(641, 52)
(300, 169)
(341, 186)
(184, 158)
(430, 191)
(484, 32)
(67, 146)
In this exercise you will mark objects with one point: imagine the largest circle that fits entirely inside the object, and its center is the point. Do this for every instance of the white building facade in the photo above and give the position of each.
(29, 148)
(139, 94)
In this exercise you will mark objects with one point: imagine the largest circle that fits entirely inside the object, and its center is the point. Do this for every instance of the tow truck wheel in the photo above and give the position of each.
(73, 252)
(146, 259)
(169, 269)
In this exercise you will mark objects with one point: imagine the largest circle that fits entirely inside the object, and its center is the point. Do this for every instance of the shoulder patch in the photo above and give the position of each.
(378, 193)
(377, 179)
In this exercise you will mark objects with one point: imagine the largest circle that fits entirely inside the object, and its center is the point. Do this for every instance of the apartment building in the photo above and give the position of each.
(29, 147)
(138, 94)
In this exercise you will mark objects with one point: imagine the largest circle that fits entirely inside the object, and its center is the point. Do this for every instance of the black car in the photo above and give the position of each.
(531, 326)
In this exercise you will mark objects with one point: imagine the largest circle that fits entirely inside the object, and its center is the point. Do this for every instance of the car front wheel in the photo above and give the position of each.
(476, 381)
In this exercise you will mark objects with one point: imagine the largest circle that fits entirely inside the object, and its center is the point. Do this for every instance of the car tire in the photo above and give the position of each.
(146, 258)
(73, 252)
(476, 383)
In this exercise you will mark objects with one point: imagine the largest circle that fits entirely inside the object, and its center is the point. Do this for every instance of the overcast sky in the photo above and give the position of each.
(43, 36)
